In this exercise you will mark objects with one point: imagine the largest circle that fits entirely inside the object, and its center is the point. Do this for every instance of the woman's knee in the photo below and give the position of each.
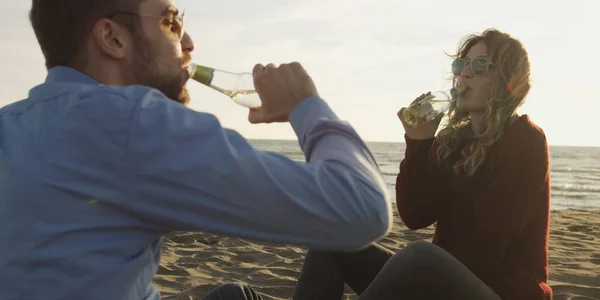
(422, 247)
(422, 255)
(327, 257)
(229, 291)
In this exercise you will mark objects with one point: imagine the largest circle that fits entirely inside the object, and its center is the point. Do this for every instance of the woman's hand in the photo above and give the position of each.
(426, 130)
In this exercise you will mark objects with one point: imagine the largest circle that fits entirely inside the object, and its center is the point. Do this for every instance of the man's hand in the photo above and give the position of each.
(281, 89)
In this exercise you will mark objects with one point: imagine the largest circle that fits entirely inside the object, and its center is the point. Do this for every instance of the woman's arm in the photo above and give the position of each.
(419, 185)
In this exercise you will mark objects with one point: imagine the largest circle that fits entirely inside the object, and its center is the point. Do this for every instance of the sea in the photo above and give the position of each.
(575, 171)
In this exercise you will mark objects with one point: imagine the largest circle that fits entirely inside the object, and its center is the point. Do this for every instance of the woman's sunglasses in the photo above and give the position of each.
(479, 66)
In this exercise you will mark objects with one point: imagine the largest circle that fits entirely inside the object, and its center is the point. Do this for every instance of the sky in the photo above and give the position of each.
(367, 58)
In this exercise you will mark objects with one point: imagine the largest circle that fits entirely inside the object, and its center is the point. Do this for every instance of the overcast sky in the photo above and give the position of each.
(368, 58)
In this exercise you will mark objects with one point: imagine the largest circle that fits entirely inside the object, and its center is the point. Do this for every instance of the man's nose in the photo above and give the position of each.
(187, 44)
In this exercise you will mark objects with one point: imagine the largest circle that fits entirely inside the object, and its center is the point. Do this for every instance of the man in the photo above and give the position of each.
(103, 158)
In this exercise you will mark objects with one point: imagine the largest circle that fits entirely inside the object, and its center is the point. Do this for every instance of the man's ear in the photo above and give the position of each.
(111, 39)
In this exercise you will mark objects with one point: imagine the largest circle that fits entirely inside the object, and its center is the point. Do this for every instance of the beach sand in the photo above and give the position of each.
(194, 263)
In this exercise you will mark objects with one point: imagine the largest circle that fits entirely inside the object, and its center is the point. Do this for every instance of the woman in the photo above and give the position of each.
(483, 180)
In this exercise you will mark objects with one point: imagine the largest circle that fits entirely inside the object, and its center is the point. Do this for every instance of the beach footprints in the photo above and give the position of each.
(187, 238)
(173, 270)
(272, 269)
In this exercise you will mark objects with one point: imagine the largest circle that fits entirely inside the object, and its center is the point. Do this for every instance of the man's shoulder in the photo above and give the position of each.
(105, 95)
(81, 98)
(111, 101)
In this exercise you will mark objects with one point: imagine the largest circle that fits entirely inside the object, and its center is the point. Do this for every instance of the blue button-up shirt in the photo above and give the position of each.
(91, 177)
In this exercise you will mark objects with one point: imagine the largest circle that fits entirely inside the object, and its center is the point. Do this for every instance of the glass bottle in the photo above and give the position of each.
(431, 106)
(237, 86)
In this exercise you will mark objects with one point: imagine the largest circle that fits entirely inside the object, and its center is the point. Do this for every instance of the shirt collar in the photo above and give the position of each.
(66, 74)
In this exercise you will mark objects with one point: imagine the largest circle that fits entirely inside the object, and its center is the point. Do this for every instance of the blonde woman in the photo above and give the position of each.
(483, 180)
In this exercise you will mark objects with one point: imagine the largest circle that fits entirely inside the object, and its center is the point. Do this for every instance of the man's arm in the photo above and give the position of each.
(185, 172)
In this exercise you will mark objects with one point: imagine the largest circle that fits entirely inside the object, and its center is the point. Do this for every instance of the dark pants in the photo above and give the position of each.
(233, 291)
(420, 271)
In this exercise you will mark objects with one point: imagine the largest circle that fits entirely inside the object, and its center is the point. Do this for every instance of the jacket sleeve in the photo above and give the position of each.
(419, 185)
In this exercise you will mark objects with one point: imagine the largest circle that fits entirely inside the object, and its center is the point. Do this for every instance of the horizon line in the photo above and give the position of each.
(401, 142)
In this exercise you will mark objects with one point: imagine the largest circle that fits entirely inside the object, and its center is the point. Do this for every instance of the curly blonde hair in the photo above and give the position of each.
(510, 86)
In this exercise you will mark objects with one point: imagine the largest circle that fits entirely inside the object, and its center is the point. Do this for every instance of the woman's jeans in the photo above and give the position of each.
(422, 270)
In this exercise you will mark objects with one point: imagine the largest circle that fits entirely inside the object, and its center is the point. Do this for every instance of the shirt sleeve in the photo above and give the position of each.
(184, 171)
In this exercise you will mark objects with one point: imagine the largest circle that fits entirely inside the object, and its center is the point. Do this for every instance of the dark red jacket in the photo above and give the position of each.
(495, 222)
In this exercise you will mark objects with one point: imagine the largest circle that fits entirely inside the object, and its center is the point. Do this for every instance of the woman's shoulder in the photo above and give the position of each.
(523, 126)
(522, 135)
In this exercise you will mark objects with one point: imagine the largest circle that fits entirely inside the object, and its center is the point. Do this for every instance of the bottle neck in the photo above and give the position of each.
(457, 90)
(204, 75)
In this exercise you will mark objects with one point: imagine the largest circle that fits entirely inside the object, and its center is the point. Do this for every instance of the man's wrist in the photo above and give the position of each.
(306, 114)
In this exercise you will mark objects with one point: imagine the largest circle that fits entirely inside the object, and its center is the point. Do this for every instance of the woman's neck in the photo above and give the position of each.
(476, 123)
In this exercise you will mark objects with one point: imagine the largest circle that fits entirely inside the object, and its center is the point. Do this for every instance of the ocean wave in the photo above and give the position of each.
(588, 177)
(576, 188)
(576, 170)
(570, 195)
(391, 174)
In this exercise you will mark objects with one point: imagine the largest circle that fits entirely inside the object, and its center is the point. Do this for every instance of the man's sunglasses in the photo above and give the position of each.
(175, 20)
(479, 66)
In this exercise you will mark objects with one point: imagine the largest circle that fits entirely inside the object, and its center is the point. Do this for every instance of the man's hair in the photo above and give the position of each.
(62, 26)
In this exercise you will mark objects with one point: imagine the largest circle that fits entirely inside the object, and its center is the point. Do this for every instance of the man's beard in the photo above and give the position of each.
(146, 73)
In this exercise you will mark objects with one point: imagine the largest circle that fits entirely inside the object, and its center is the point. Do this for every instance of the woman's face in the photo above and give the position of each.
(474, 70)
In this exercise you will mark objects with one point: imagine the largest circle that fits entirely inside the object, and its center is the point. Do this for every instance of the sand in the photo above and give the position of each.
(194, 263)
